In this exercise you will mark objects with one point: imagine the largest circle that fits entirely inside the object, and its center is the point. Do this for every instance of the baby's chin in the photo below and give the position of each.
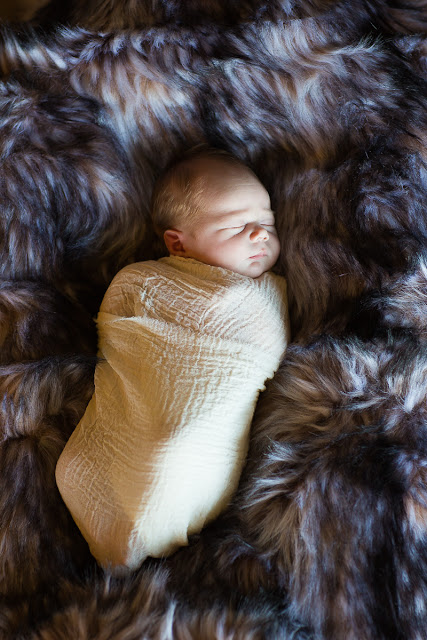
(250, 268)
(253, 269)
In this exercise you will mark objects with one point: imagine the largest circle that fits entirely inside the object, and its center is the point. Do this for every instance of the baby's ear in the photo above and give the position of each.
(173, 241)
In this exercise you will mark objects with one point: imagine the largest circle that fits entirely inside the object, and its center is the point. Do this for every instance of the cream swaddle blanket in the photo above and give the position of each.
(185, 348)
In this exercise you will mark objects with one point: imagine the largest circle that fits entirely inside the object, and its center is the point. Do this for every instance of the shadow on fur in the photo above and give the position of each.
(37, 321)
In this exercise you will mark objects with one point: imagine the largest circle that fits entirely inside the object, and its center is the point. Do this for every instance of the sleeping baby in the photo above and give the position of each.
(186, 344)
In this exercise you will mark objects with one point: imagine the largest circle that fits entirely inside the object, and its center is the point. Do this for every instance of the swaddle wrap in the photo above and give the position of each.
(186, 349)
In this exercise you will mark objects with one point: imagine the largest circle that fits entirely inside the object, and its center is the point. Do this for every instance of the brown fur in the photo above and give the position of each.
(37, 321)
(404, 303)
(42, 402)
(339, 494)
(405, 17)
(156, 613)
(326, 101)
(64, 188)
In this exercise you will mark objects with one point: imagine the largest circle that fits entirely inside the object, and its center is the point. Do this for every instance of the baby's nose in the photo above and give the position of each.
(258, 234)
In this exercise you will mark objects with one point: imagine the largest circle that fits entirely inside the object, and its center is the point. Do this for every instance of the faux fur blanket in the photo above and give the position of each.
(325, 100)
(186, 349)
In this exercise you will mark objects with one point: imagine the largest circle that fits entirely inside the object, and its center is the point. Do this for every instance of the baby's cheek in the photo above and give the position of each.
(226, 254)
(275, 245)
(233, 244)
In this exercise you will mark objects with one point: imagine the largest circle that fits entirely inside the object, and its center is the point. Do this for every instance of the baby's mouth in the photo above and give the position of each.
(261, 254)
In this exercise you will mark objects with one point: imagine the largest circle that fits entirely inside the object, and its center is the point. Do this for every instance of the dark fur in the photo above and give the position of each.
(65, 187)
(36, 321)
(327, 102)
(155, 612)
(336, 489)
(401, 16)
(42, 401)
(404, 303)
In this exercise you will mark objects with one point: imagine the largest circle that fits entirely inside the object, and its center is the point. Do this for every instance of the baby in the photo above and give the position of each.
(186, 344)
(213, 208)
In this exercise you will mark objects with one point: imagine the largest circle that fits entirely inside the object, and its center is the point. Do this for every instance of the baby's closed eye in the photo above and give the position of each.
(234, 229)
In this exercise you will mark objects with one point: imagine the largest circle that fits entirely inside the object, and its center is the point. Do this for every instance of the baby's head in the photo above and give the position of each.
(211, 207)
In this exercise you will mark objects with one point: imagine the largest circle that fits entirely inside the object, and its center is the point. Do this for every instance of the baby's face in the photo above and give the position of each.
(236, 227)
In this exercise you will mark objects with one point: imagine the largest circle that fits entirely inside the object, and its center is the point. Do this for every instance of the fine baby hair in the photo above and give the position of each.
(177, 192)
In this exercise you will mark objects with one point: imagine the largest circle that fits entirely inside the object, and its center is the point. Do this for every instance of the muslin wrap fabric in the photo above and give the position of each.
(185, 348)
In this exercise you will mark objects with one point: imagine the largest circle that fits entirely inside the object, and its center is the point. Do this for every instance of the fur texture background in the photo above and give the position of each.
(326, 100)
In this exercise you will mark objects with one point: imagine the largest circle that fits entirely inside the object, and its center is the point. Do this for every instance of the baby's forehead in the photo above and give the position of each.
(218, 185)
(218, 174)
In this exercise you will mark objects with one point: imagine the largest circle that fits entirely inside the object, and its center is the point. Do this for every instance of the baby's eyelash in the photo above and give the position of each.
(271, 224)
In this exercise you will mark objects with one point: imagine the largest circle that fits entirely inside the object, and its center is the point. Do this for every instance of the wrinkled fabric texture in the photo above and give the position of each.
(185, 350)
